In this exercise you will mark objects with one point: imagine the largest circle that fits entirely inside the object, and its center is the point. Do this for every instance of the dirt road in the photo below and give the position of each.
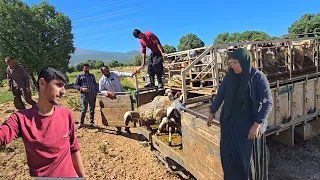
(110, 156)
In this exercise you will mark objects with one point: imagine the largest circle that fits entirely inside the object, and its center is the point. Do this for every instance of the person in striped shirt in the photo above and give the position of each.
(88, 87)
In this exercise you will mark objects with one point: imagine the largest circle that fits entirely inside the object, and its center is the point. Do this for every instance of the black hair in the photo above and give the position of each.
(87, 65)
(136, 33)
(49, 73)
(103, 67)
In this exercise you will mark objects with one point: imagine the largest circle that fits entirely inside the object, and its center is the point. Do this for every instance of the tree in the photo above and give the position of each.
(254, 36)
(222, 38)
(98, 64)
(138, 58)
(70, 69)
(238, 37)
(114, 63)
(79, 66)
(36, 36)
(92, 63)
(190, 41)
(169, 49)
(308, 23)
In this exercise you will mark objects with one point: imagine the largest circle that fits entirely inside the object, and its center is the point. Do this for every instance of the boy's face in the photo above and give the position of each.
(52, 91)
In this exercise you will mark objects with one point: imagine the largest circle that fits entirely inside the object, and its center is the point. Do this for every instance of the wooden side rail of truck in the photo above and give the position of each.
(292, 67)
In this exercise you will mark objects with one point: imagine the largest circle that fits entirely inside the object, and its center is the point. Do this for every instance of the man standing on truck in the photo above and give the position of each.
(88, 87)
(19, 83)
(47, 130)
(155, 64)
(110, 83)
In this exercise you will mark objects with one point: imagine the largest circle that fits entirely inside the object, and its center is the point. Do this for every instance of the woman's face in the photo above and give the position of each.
(235, 65)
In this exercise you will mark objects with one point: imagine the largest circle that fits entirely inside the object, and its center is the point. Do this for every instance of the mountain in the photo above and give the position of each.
(81, 55)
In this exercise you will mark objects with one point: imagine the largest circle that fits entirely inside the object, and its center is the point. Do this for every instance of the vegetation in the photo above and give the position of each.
(169, 49)
(190, 41)
(308, 23)
(39, 35)
(103, 148)
(36, 36)
(238, 37)
(5, 95)
(137, 60)
(73, 102)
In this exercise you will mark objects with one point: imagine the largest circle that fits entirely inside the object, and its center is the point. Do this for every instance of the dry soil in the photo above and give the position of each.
(109, 156)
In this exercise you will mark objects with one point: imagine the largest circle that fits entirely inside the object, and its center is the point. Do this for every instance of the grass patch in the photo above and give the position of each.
(126, 83)
(103, 148)
(73, 102)
(97, 73)
(5, 95)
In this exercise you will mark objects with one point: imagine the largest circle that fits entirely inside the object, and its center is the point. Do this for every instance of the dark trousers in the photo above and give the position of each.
(155, 65)
(17, 93)
(85, 101)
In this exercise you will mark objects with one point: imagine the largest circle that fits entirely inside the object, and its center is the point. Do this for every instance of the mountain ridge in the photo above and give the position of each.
(81, 55)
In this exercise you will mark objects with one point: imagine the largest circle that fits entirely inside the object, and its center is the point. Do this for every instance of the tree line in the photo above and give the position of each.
(307, 25)
(39, 35)
(97, 64)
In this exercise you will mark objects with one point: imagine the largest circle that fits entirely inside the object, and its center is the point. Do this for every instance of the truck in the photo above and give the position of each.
(292, 68)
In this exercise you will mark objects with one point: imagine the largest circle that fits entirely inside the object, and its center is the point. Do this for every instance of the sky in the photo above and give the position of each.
(107, 25)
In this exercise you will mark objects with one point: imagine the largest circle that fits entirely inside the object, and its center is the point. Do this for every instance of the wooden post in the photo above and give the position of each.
(190, 71)
(290, 58)
(216, 68)
(285, 137)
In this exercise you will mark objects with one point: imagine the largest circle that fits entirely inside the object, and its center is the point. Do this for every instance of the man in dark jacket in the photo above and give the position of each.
(19, 83)
(88, 87)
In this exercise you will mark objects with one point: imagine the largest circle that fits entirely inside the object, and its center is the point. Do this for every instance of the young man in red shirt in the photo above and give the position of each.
(155, 64)
(47, 130)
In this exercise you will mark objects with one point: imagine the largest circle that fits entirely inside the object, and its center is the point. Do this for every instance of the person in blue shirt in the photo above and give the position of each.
(88, 87)
(247, 103)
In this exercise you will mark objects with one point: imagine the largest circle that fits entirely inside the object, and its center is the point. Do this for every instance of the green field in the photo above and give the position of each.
(5, 95)
(128, 84)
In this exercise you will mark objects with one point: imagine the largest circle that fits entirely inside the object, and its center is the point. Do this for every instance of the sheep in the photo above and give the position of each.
(173, 121)
(151, 112)
(175, 80)
(303, 54)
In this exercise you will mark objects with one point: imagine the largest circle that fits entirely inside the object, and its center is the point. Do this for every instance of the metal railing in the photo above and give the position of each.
(213, 49)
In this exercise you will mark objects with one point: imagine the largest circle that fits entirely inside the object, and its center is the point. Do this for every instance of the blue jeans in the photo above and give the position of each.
(85, 101)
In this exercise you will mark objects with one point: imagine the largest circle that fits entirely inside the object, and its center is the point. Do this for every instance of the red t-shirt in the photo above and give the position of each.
(49, 140)
(150, 40)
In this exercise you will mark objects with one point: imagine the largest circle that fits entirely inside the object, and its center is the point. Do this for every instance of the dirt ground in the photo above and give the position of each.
(109, 156)
(105, 155)
(299, 162)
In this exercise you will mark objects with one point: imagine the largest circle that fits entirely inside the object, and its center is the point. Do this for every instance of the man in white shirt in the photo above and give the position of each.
(110, 84)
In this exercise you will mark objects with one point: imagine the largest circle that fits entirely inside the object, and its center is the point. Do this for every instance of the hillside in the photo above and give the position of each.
(81, 55)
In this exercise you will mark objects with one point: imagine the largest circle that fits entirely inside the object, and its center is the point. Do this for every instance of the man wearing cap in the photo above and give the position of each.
(155, 64)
